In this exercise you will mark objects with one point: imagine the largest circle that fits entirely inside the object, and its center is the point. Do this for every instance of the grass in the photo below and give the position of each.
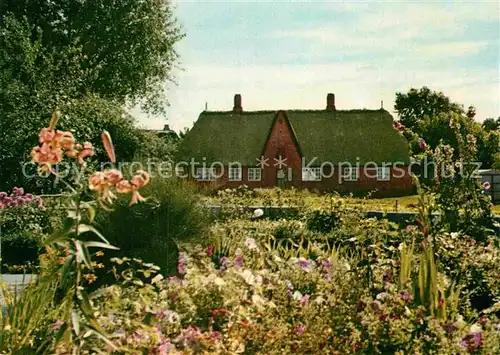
(265, 197)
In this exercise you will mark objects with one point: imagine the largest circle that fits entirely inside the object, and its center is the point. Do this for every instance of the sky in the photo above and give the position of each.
(289, 55)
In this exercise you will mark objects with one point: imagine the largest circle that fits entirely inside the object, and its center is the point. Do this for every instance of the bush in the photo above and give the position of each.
(150, 230)
(24, 222)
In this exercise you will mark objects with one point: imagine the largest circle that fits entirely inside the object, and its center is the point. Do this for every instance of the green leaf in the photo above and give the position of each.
(83, 228)
(81, 255)
(100, 245)
(60, 332)
(65, 271)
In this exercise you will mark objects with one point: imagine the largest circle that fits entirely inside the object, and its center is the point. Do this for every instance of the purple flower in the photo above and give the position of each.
(300, 330)
(405, 296)
(307, 265)
(189, 336)
(165, 348)
(472, 341)
(238, 261)
(224, 263)
(327, 265)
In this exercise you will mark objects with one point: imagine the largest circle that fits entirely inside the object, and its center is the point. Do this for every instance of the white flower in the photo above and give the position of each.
(258, 301)
(319, 300)
(475, 328)
(407, 312)
(157, 278)
(258, 213)
(248, 277)
(297, 296)
(250, 243)
(173, 317)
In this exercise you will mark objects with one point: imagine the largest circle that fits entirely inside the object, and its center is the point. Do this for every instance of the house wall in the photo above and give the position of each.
(281, 142)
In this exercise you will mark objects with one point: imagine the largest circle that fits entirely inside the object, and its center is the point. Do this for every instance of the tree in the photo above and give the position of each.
(122, 49)
(490, 124)
(413, 106)
(85, 57)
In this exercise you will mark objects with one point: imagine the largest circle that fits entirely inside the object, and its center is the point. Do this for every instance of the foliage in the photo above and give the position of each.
(69, 260)
(490, 124)
(412, 107)
(256, 302)
(24, 222)
(74, 56)
(149, 230)
(155, 148)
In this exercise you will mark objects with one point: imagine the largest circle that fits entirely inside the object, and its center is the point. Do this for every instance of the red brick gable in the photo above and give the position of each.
(282, 142)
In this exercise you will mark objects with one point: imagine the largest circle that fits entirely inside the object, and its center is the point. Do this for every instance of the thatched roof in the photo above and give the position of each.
(333, 136)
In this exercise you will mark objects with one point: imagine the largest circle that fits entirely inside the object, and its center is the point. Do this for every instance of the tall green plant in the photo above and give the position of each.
(71, 243)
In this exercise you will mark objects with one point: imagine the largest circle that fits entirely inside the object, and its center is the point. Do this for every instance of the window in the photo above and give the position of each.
(383, 173)
(311, 174)
(205, 174)
(254, 174)
(235, 174)
(351, 174)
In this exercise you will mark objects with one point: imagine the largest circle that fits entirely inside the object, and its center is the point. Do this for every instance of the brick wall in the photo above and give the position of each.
(282, 142)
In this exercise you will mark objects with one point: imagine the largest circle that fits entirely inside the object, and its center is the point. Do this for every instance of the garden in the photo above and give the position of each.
(134, 264)
(120, 261)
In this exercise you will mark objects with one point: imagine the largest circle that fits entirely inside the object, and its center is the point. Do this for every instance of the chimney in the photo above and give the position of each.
(330, 102)
(237, 104)
(166, 127)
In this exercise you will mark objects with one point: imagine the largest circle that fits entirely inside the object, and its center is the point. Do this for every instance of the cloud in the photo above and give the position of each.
(364, 53)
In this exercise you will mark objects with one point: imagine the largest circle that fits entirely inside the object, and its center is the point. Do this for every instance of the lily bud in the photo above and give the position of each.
(108, 146)
(55, 117)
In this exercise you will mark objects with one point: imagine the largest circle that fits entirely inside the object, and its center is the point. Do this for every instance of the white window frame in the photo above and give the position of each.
(383, 173)
(254, 174)
(311, 174)
(348, 173)
(235, 174)
(205, 174)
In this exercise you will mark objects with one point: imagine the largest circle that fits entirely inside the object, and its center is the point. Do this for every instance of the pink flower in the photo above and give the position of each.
(210, 250)
(238, 262)
(422, 144)
(304, 300)
(300, 330)
(409, 228)
(57, 325)
(486, 185)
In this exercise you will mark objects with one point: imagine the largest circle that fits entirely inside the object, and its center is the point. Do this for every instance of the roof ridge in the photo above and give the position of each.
(294, 110)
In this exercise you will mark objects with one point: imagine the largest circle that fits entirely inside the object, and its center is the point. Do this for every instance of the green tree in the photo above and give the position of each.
(87, 58)
(124, 48)
(412, 107)
(490, 124)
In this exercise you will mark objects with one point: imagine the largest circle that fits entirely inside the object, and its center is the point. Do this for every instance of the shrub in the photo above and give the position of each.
(150, 230)
(24, 222)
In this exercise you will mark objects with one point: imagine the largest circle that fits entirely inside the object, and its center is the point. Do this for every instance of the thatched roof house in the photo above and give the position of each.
(325, 137)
